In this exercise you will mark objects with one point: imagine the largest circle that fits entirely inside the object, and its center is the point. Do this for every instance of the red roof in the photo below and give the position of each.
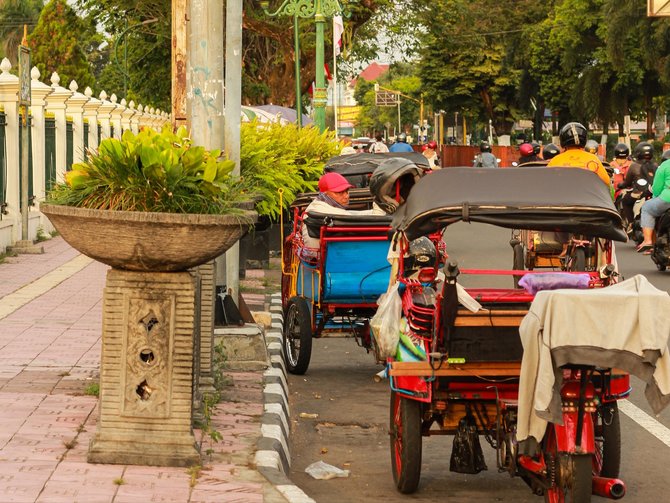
(372, 72)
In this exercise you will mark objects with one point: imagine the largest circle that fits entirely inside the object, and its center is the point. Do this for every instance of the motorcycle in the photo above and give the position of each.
(640, 192)
(661, 251)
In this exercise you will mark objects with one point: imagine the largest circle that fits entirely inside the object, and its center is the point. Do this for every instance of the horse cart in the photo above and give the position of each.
(471, 371)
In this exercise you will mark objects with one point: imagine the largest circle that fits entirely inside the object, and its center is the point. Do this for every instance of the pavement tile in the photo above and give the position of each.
(49, 353)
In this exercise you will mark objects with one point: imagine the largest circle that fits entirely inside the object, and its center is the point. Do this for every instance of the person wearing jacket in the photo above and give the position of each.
(656, 206)
(378, 146)
(642, 168)
(485, 159)
(333, 199)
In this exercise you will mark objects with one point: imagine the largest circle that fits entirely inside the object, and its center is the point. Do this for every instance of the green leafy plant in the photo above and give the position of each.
(274, 156)
(151, 171)
(92, 389)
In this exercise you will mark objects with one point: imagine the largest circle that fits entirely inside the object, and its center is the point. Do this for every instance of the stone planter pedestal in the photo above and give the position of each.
(151, 349)
(146, 371)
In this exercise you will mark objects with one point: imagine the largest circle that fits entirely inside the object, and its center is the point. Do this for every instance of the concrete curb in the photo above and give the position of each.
(273, 456)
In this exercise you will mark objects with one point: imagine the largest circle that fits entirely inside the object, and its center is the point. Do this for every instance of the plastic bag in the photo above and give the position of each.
(385, 324)
(466, 453)
(323, 471)
(534, 283)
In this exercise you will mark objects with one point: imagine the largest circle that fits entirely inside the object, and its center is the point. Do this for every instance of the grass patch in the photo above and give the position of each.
(70, 444)
(194, 473)
(92, 389)
(41, 235)
(119, 481)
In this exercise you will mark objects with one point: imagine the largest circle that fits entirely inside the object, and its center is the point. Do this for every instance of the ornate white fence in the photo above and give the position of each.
(80, 122)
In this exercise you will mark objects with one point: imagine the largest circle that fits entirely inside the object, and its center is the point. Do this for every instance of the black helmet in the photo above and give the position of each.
(421, 253)
(383, 181)
(643, 151)
(666, 155)
(550, 151)
(591, 146)
(573, 133)
(484, 146)
(536, 147)
(621, 151)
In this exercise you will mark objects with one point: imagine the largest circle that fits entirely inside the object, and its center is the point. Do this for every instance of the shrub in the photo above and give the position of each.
(277, 156)
(151, 171)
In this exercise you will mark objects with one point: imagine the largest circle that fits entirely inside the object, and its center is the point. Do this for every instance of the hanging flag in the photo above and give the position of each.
(327, 72)
(338, 30)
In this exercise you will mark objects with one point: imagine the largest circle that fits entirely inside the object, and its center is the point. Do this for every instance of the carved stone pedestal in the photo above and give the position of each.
(146, 371)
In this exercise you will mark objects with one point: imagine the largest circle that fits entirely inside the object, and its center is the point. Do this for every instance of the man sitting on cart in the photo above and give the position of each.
(333, 199)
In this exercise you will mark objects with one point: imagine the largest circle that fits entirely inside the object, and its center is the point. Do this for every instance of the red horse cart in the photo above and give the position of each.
(469, 360)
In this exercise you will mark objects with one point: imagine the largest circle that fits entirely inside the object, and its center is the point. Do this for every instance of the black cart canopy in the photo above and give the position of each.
(365, 164)
(545, 199)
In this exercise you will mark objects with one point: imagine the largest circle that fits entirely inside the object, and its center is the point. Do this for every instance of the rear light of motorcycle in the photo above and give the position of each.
(427, 275)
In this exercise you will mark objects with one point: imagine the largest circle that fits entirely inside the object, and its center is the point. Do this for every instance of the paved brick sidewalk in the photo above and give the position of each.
(49, 355)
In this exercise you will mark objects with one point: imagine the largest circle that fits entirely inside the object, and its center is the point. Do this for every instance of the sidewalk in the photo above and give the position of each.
(50, 341)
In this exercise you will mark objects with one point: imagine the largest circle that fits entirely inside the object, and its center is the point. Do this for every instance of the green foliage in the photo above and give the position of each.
(273, 156)
(13, 15)
(151, 171)
(55, 45)
(92, 389)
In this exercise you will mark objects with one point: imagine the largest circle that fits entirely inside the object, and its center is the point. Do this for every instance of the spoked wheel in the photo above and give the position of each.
(297, 335)
(571, 474)
(578, 260)
(405, 437)
(519, 262)
(607, 458)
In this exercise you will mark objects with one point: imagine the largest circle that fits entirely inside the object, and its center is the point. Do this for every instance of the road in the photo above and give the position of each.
(351, 430)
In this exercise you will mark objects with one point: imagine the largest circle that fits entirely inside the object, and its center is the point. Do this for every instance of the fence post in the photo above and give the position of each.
(9, 88)
(56, 105)
(135, 118)
(104, 116)
(38, 93)
(91, 114)
(127, 114)
(116, 112)
(75, 108)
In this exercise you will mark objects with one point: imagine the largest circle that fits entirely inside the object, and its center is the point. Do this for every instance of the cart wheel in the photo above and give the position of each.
(405, 437)
(578, 260)
(297, 335)
(574, 480)
(519, 263)
(607, 458)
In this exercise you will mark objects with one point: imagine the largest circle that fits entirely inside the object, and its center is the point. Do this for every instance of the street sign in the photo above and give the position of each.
(386, 99)
(659, 8)
(24, 76)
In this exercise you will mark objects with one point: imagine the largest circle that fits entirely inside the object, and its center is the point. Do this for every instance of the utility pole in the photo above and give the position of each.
(24, 103)
(233, 100)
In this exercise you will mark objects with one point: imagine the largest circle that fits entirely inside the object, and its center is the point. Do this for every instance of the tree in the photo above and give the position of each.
(55, 45)
(14, 14)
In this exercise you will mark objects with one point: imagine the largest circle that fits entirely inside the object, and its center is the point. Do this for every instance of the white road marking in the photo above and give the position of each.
(646, 421)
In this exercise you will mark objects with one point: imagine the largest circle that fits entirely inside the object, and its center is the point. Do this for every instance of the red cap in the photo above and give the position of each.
(333, 182)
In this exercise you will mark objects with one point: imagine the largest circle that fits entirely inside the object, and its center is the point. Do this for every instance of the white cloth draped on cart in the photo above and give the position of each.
(624, 326)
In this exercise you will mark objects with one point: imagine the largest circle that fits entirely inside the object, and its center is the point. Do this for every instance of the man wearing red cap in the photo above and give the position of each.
(333, 199)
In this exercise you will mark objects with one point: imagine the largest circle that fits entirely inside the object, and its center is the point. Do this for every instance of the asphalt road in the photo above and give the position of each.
(351, 429)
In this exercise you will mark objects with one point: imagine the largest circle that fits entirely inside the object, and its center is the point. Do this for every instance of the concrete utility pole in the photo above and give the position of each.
(233, 100)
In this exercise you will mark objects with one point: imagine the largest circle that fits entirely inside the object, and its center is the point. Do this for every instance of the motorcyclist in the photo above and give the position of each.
(485, 159)
(537, 148)
(620, 163)
(643, 167)
(527, 153)
(430, 153)
(655, 206)
(592, 147)
(378, 146)
(401, 144)
(573, 139)
(550, 151)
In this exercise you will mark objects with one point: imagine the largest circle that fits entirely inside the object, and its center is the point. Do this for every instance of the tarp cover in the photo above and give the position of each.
(545, 199)
(361, 164)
